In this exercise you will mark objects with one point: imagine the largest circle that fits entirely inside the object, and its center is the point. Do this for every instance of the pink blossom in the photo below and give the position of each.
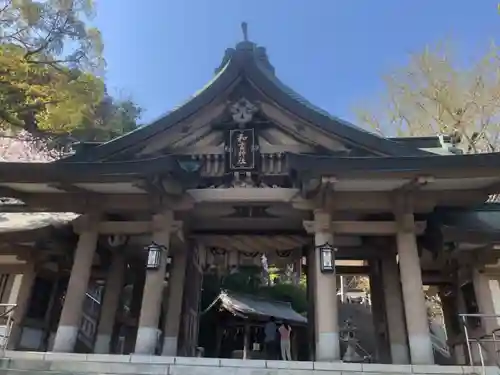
(23, 147)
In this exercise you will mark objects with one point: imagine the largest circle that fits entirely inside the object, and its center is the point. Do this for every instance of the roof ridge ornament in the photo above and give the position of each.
(245, 50)
(244, 29)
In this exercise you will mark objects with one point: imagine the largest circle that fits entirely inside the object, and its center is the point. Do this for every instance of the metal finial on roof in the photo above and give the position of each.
(244, 29)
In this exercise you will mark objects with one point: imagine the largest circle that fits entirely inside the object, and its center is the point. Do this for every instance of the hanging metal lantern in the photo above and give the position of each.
(154, 252)
(327, 258)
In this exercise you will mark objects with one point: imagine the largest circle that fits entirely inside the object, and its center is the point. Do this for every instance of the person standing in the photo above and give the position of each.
(270, 335)
(285, 330)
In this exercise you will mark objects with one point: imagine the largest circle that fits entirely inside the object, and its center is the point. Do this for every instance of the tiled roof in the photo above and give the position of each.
(245, 305)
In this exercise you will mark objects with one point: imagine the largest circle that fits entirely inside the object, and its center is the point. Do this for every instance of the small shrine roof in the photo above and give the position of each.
(254, 307)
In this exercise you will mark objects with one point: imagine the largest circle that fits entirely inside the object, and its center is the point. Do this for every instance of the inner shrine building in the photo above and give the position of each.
(248, 167)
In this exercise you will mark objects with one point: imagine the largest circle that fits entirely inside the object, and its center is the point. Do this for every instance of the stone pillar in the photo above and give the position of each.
(112, 293)
(174, 305)
(297, 271)
(395, 311)
(71, 314)
(413, 294)
(311, 299)
(379, 309)
(487, 291)
(450, 309)
(325, 295)
(20, 295)
(138, 270)
(9, 290)
(147, 332)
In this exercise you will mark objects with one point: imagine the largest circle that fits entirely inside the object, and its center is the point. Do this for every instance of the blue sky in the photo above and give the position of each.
(333, 52)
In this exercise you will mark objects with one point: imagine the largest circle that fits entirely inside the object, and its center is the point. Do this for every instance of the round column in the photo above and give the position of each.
(325, 295)
(413, 294)
(71, 314)
(395, 311)
(147, 331)
(114, 286)
(174, 305)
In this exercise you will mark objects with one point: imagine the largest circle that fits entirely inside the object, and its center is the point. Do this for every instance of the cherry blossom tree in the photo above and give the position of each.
(23, 147)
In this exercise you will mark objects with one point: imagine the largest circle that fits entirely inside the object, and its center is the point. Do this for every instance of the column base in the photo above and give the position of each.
(328, 347)
(101, 345)
(169, 346)
(147, 339)
(421, 350)
(65, 339)
(399, 354)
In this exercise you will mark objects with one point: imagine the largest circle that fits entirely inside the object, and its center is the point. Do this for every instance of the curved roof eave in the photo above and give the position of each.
(352, 165)
(244, 63)
(288, 99)
(219, 83)
(75, 171)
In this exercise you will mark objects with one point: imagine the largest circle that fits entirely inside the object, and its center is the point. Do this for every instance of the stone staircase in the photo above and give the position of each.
(31, 363)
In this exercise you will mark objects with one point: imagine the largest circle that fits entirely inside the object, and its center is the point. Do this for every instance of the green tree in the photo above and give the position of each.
(52, 32)
(44, 98)
(111, 118)
(296, 295)
(50, 66)
(246, 280)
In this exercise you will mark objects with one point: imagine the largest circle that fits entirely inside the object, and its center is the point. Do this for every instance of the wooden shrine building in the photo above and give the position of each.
(249, 167)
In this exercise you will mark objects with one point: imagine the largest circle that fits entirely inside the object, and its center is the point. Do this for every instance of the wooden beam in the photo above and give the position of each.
(80, 202)
(21, 251)
(124, 227)
(352, 270)
(13, 268)
(8, 192)
(423, 200)
(367, 228)
(247, 195)
(69, 188)
(289, 242)
(360, 252)
(416, 184)
(84, 202)
(27, 235)
(15, 208)
(434, 278)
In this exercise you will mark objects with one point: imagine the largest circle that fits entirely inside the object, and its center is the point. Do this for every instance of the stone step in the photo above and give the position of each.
(31, 363)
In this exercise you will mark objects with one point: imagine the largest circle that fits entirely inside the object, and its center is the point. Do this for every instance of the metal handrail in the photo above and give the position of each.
(9, 310)
(90, 296)
(366, 355)
(493, 337)
(481, 356)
